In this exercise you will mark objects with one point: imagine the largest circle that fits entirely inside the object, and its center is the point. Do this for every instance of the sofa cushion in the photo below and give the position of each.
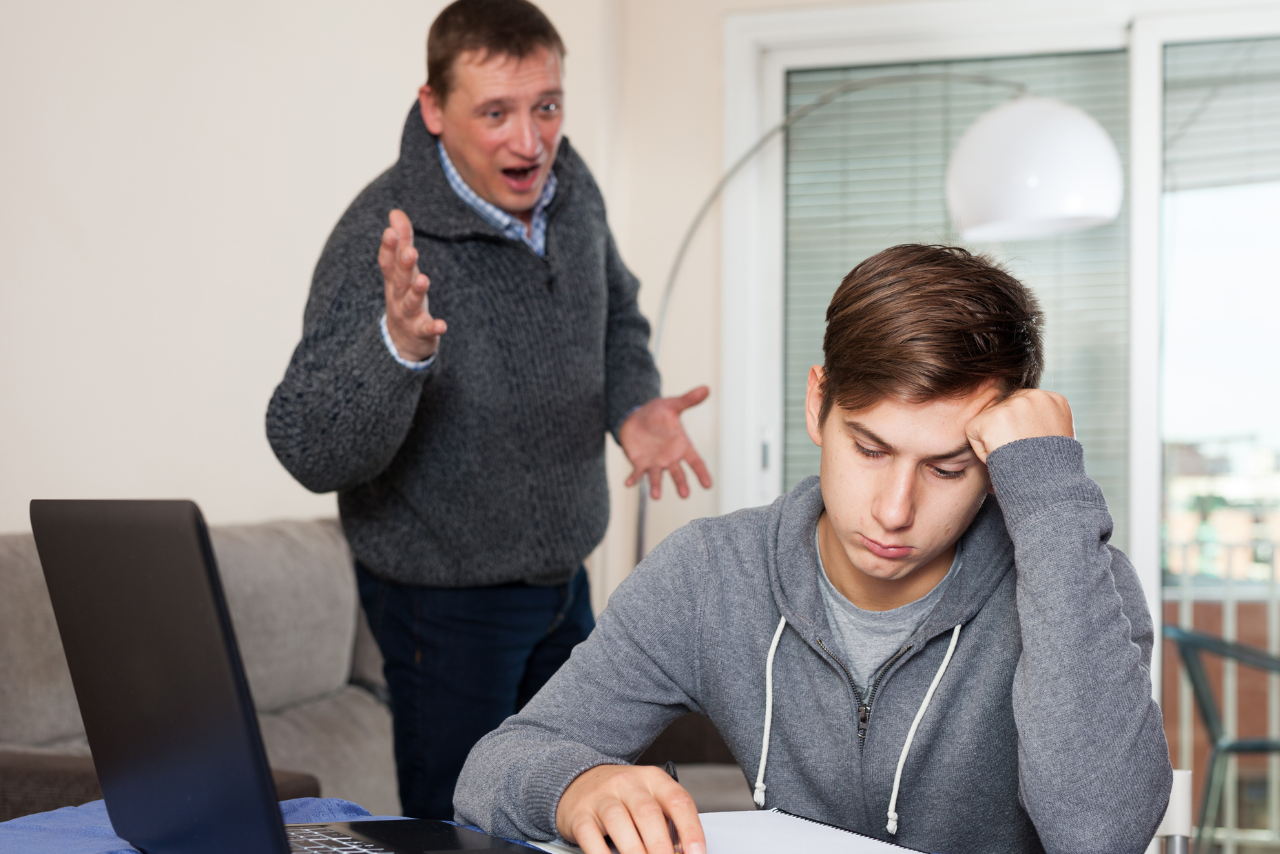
(366, 660)
(345, 741)
(292, 597)
(37, 701)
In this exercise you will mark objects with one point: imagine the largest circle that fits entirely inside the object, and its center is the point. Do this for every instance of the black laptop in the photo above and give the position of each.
(165, 702)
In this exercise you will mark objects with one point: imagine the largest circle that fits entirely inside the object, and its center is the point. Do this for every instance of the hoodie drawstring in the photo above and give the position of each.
(758, 797)
(892, 826)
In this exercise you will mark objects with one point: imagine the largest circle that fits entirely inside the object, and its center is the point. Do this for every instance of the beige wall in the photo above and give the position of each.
(171, 171)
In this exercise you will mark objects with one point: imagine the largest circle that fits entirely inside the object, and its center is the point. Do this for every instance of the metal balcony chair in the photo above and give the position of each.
(1190, 645)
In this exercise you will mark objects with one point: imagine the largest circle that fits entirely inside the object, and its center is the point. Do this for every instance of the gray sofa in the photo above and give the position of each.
(312, 665)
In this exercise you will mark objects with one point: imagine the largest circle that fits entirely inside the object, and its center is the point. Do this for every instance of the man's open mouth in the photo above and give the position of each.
(522, 174)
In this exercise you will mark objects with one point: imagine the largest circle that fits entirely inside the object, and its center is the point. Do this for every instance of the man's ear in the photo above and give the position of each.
(813, 404)
(431, 111)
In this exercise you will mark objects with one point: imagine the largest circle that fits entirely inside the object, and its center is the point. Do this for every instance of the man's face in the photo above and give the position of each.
(501, 124)
(901, 484)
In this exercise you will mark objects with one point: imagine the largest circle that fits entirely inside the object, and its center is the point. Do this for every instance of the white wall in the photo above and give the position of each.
(170, 173)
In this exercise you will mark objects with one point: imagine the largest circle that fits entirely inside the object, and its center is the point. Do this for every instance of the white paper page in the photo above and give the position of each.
(556, 847)
(769, 832)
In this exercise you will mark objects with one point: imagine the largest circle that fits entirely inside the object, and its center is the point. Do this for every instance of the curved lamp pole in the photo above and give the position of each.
(1030, 167)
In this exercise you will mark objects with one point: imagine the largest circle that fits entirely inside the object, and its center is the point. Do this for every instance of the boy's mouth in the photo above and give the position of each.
(883, 550)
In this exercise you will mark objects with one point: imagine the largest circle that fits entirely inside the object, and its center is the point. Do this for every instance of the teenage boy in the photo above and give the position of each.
(931, 643)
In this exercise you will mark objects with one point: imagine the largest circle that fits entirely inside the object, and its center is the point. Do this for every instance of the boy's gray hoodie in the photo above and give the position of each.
(1041, 735)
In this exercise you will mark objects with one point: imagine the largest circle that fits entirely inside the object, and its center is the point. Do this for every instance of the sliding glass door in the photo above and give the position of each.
(1220, 398)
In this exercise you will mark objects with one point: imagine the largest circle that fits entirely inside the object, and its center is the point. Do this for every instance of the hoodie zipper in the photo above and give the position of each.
(864, 712)
(864, 709)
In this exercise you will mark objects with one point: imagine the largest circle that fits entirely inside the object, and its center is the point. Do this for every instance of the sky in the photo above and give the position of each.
(1220, 362)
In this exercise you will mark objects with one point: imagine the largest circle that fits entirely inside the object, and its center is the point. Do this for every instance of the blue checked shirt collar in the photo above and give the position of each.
(535, 237)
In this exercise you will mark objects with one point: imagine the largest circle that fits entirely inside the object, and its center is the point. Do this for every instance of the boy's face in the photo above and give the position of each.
(901, 484)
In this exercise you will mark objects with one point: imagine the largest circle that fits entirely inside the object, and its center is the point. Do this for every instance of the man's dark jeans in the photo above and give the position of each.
(459, 661)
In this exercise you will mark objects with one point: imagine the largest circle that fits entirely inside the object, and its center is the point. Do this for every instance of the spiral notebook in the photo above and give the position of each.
(771, 832)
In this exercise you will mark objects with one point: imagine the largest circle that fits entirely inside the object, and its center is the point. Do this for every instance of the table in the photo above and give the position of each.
(87, 829)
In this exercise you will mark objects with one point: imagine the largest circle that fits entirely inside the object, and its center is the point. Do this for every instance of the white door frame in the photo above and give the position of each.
(761, 48)
(1150, 33)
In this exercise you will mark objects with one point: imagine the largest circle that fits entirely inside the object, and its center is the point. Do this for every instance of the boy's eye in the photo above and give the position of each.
(947, 474)
(867, 452)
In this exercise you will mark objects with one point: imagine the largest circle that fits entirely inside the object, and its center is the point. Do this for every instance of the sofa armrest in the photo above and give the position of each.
(39, 782)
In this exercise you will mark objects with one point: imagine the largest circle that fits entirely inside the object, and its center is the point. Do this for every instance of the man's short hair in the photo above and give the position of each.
(514, 28)
(923, 322)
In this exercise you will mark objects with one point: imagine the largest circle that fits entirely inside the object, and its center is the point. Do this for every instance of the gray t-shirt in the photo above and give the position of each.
(865, 640)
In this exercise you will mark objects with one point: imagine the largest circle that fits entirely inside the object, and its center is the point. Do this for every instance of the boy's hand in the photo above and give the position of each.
(630, 805)
(1025, 414)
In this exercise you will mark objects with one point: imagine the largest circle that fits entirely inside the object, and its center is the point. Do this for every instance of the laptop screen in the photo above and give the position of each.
(158, 677)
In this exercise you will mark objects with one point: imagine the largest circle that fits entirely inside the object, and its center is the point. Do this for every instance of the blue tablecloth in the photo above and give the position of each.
(87, 830)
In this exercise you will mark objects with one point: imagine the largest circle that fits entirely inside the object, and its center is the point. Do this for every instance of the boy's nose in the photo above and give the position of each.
(894, 508)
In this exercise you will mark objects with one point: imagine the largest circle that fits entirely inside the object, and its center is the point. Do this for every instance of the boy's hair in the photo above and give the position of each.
(922, 322)
(513, 28)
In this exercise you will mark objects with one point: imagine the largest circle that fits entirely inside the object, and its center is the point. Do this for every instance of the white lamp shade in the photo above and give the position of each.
(1033, 167)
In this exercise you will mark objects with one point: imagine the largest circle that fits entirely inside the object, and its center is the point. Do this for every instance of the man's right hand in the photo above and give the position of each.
(629, 804)
(413, 330)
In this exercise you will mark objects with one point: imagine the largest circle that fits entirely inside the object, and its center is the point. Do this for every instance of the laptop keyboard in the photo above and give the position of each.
(308, 839)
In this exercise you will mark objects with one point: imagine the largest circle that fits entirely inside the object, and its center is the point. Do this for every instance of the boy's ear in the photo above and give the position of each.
(813, 404)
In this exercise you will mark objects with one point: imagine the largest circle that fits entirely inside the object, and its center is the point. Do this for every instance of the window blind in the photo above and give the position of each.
(1221, 114)
(868, 172)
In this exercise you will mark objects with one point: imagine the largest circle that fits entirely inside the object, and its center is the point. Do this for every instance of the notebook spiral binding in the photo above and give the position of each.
(844, 829)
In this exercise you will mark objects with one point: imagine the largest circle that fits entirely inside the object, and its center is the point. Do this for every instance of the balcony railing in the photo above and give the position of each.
(1229, 590)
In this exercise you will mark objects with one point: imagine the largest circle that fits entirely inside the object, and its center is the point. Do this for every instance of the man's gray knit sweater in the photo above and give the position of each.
(487, 467)
(1041, 736)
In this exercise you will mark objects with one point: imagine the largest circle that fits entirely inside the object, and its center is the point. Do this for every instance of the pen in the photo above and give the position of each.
(671, 825)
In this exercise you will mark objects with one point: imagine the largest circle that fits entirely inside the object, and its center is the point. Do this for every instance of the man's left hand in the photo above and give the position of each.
(1026, 414)
(654, 440)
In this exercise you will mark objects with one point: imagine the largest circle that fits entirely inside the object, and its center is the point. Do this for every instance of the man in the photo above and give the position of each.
(930, 643)
(466, 437)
